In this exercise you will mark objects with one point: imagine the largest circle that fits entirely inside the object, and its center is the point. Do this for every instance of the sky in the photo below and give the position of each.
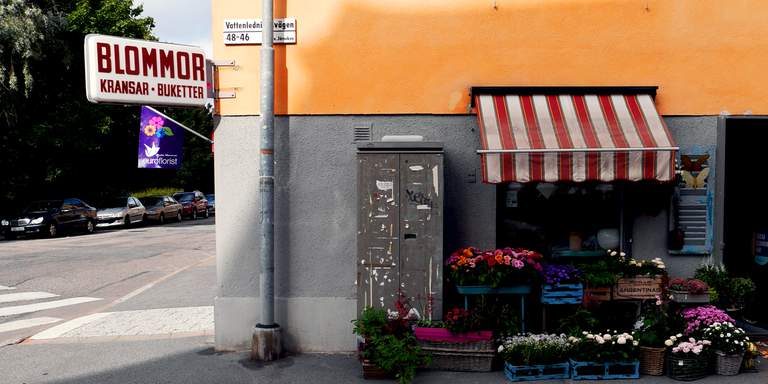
(181, 21)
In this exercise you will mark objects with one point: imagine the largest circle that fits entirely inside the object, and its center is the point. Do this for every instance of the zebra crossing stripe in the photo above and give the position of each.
(28, 323)
(19, 309)
(23, 296)
(61, 329)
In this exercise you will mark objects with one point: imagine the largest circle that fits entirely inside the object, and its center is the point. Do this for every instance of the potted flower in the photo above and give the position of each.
(687, 357)
(652, 329)
(599, 278)
(698, 318)
(739, 289)
(729, 343)
(688, 290)
(640, 279)
(561, 284)
(535, 357)
(455, 344)
(505, 270)
(610, 355)
(389, 347)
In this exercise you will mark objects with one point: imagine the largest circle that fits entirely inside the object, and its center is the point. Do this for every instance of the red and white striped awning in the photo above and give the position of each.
(573, 137)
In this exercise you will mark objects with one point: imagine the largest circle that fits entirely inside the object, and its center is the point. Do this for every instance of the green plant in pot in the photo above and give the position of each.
(389, 344)
(740, 289)
(652, 329)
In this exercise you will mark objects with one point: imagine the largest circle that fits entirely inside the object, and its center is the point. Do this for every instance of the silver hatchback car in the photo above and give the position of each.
(121, 211)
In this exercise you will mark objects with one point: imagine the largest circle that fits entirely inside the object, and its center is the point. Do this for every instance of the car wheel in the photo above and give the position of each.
(162, 219)
(53, 230)
(206, 214)
(144, 219)
(178, 216)
(90, 227)
(127, 221)
(194, 214)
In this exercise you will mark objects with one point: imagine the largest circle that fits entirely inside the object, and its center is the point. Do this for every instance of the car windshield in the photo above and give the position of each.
(188, 196)
(120, 202)
(151, 201)
(43, 206)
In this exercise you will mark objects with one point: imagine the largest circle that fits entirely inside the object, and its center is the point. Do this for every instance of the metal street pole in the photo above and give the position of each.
(266, 336)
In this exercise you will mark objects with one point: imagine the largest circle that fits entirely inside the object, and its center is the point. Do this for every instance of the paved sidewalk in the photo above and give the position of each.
(193, 360)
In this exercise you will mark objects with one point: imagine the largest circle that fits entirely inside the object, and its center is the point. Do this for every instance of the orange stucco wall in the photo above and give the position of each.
(405, 56)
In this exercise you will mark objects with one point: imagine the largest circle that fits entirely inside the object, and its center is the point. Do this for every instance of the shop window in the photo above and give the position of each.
(691, 221)
(562, 219)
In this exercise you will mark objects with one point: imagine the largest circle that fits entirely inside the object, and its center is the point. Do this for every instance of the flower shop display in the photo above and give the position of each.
(389, 347)
(725, 291)
(692, 291)
(561, 285)
(698, 318)
(652, 329)
(610, 355)
(688, 358)
(535, 357)
(455, 344)
(640, 279)
(599, 278)
(729, 343)
(471, 267)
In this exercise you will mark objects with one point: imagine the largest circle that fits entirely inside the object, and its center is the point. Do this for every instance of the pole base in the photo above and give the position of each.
(267, 343)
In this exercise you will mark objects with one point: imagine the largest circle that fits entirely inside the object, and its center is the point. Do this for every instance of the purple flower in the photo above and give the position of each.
(555, 274)
(700, 317)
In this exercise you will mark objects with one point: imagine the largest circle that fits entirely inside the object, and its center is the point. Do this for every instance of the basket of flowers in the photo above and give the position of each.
(505, 270)
(535, 357)
(610, 355)
(698, 318)
(456, 344)
(652, 329)
(688, 358)
(561, 285)
(729, 343)
(688, 291)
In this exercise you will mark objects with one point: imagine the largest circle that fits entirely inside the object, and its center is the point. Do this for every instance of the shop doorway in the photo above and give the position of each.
(745, 211)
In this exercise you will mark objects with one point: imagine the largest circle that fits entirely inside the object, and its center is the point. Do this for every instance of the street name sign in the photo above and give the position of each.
(248, 31)
(119, 70)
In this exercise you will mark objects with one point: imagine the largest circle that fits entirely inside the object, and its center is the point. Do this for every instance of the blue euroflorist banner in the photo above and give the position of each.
(161, 140)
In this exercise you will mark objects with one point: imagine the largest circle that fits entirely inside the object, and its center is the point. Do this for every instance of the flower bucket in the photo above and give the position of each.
(444, 335)
(689, 298)
(562, 294)
(590, 370)
(536, 372)
(519, 289)
(686, 368)
(652, 361)
(728, 365)
(638, 288)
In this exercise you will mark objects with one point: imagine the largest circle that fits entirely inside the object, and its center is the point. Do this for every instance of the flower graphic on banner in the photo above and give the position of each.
(150, 130)
(155, 127)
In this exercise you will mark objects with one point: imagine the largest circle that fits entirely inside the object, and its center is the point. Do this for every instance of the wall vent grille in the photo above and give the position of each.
(362, 133)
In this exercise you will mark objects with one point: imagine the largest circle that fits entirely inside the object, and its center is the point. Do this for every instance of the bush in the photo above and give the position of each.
(158, 191)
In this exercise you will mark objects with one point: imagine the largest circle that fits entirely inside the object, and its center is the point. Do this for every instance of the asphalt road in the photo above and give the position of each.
(145, 274)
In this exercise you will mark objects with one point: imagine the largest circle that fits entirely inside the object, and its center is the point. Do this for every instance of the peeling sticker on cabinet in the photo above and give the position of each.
(423, 206)
(385, 185)
(416, 168)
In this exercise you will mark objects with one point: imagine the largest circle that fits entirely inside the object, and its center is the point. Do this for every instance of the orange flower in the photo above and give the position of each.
(150, 130)
(499, 259)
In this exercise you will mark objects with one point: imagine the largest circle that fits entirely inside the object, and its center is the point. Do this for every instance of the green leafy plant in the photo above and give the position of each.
(390, 344)
(740, 289)
(573, 324)
(601, 273)
(653, 326)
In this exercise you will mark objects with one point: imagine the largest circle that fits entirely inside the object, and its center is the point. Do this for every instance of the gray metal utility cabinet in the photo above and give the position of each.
(400, 226)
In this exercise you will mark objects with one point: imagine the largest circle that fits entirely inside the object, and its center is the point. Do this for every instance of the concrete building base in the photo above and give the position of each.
(267, 343)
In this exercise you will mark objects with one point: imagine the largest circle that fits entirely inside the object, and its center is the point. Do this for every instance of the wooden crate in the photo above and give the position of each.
(562, 294)
(592, 294)
(537, 372)
(588, 370)
(638, 288)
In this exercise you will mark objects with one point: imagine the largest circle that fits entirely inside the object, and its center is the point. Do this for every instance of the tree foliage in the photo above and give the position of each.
(53, 142)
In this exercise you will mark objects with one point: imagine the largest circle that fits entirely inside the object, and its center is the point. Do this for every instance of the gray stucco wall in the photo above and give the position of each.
(316, 213)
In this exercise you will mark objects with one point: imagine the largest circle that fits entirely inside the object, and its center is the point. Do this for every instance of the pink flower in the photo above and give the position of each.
(507, 260)
(517, 264)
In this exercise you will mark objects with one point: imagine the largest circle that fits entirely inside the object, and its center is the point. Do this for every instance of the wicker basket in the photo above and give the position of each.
(470, 357)
(728, 365)
(652, 361)
(686, 368)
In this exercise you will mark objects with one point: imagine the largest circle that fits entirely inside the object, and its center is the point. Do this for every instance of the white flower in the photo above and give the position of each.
(673, 338)
(630, 337)
(599, 339)
(621, 340)
(501, 348)
(622, 254)
(679, 335)
(635, 343)
(613, 253)
(721, 335)
(662, 266)
(584, 333)
(728, 334)
(668, 343)
(607, 336)
(590, 336)
(746, 338)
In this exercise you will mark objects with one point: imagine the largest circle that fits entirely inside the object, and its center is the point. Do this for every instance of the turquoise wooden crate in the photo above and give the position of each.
(588, 370)
(536, 372)
(562, 294)
(521, 289)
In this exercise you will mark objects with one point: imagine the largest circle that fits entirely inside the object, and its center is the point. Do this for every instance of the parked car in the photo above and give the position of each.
(120, 211)
(193, 204)
(50, 218)
(161, 208)
(211, 203)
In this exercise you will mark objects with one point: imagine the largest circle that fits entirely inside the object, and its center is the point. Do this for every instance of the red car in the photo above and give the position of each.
(193, 204)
